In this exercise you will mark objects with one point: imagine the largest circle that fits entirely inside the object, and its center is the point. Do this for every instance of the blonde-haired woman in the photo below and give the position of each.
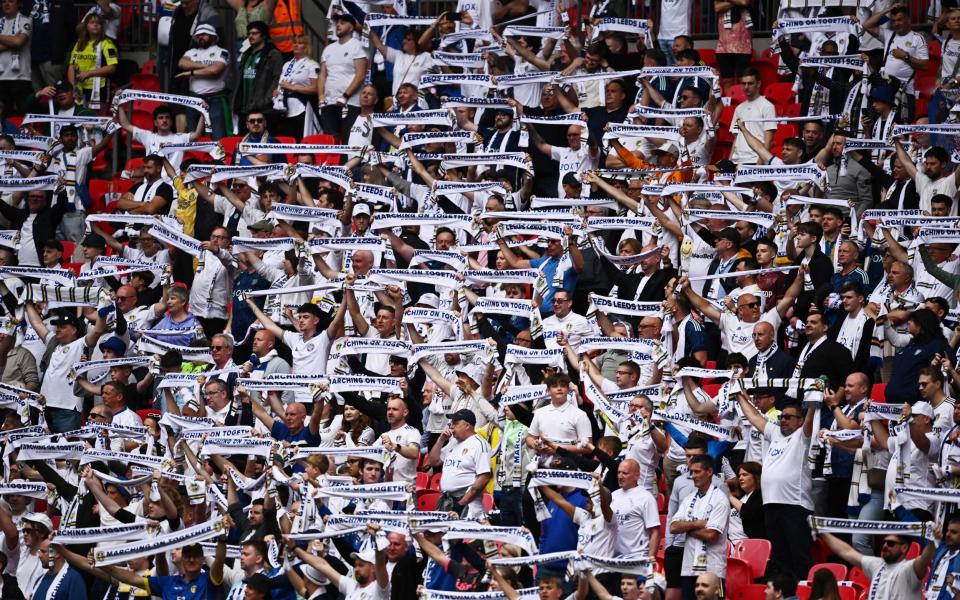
(93, 61)
(296, 93)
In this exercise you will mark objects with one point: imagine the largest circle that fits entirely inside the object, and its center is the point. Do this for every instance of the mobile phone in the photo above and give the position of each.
(455, 16)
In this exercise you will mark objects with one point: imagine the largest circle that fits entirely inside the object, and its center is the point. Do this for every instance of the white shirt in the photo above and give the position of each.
(202, 86)
(785, 456)
(308, 357)
(303, 71)
(571, 161)
(913, 44)
(407, 68)
(698, 556)
(760, 108)
(463, 462)
(635, 511)
(338, 58)
(56, 386)
(928, 188)
(210, 289)
(404, 469)
(125, 418)
(15, 64)
(674, 19)
(573, 325)
(595, 536)
(352, 590)
(564, 423)
(891, 582)
(737, 335)
(152, 141)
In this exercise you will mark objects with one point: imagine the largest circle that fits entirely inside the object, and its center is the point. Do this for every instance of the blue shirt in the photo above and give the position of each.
(559, 532)
(175, 587)
(72, 587)
(243, 316)
(953, 567)
(188, 326)
(549, 266)
(281, 432)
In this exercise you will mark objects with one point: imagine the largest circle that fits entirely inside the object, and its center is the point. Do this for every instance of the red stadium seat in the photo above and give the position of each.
(738, 576)
(803, 590)
(839, 571)
(879, 392)
(435, 481)
(229, 144)
(753, 591)
(662, 503)
(73, 266)
(145, 82)
(791, 110)
(756, 553)
(325, 139)
(768, 72)
(712, 388)
(423, 480)
(737, 94)
(857, 575)
(780, 93)
(68, 249)
(708, 56)
(428, 501)
(912, 553)
(488, 503)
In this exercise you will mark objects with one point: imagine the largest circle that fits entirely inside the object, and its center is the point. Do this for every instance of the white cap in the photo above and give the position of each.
(431, 300)
(669, 148)
(207, 29)
(366, 554)
(474, 371)
(39, 518)
(361, 209)
(314, 575)
(923, 408)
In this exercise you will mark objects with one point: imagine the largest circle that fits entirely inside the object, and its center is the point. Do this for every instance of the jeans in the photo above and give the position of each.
(510, 501)
(666, 46)
(334, 122)
(937, 112)
(871, 511)
(60, 420)
(219, 113)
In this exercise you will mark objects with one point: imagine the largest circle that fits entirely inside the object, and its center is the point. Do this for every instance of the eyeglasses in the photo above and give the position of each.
(786, 416)
(561, 300)
(122, 298)
(98, 416)
(218, 237)
(254, 121)
(892, 543)
(750, 305)
(217, 347)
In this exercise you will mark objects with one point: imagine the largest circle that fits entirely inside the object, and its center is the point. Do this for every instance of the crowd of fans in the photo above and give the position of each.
(515, 300)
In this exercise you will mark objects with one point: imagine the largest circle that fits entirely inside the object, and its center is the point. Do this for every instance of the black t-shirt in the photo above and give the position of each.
(164, 190)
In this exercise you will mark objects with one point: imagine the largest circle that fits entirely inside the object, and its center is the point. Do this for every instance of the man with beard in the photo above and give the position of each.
(945, 560)
(206, 66)
(891, 575)
(370, 579)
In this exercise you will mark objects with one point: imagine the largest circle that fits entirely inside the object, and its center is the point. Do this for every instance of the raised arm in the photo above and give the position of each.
(266, 321)
(905, 159)
(763, 153)
(793, 292)
(436, 376)
(753, 415)
(699, 302)
(846, 551)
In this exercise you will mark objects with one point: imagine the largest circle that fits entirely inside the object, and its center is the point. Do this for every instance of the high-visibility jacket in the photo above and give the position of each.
(286, 25)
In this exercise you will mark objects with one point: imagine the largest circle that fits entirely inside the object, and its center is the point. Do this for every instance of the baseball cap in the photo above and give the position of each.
(730, 234)
(68, 319)
(464, 414)
(54, 244)
(923, 408)
(63, 86)
(115, 344)
(94, 240)
(259, 582)
(366, 554)
(361, 209)
(668, 148)
(40, 518)
(346, 17)
(261, 226)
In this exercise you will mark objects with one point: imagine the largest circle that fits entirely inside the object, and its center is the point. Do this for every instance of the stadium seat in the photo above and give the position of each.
(435, 481)
(857, 575)
(736, 94)
(423, 479)
(662, 503)
(912, 553)
(768, 72)
(428, 500)
(147, 82)
(73, 266)
(488, 503)
(328, 140)
(878, 393)
(780, 93)
(68, 249)
(803, 590)
(839, 571)
(738, 576)
(229, 145)
(708, 56)
(756, 553)
(712, 388)
(752, 591)
(791, 110)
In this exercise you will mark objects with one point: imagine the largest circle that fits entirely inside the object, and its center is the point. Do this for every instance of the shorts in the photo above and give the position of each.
(672, 565)
(732, 65)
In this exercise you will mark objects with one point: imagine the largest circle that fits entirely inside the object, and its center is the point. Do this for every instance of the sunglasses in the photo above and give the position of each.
(254, 121)
(892, 543)
(217, 347)
(122, 298)
(750, 305)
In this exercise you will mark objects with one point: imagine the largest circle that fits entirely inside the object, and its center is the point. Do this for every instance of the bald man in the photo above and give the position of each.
(267, 361)
(402, 438)
(636, 512)
(770, 359)
(708, 587)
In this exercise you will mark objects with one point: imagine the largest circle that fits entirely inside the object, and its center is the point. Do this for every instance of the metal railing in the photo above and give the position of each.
(138, 25)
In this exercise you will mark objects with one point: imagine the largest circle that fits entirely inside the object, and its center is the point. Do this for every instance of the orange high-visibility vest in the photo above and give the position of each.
(286, 24)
